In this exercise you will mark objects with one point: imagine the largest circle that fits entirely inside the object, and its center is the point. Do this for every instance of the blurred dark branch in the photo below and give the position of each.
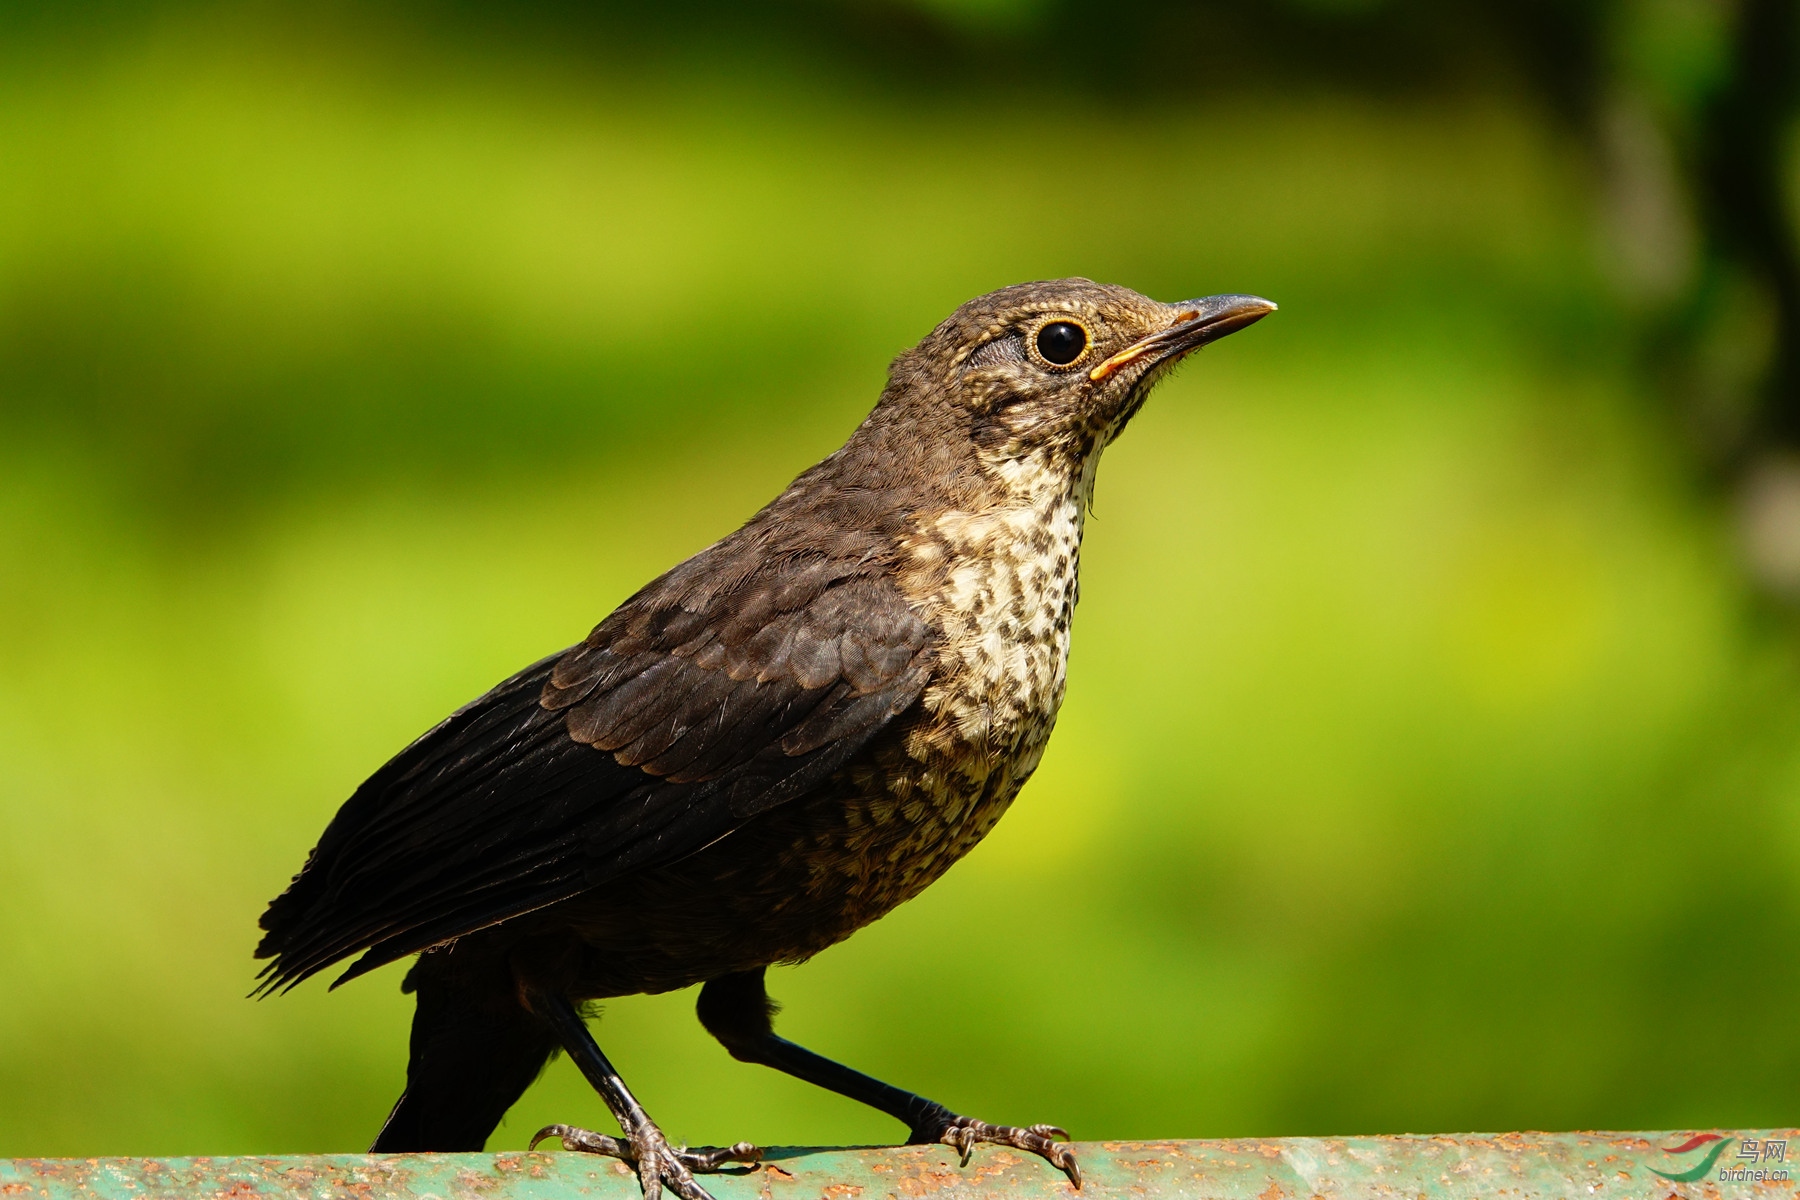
(1129, 48)
(1743, 193)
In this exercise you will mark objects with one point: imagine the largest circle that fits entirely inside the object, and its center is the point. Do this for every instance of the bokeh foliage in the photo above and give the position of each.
(1424, 765)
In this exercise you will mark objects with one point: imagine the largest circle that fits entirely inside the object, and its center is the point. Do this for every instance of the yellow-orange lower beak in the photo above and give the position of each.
(1195, 323)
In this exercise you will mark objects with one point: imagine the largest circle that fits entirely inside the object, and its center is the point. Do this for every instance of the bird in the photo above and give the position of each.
(769, 746)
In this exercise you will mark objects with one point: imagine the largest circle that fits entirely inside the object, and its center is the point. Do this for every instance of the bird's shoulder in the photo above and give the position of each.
(751, 622)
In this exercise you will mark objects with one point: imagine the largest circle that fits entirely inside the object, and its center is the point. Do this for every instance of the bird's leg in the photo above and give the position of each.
(644, 1145)
(737, 1010)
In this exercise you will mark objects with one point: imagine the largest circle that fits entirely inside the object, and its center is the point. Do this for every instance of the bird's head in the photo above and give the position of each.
(1061, 366)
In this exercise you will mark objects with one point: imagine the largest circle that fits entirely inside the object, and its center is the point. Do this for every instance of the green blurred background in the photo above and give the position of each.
(1430, 760)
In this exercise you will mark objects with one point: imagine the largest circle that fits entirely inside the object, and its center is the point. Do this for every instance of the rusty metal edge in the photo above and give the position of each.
(1525, 1166)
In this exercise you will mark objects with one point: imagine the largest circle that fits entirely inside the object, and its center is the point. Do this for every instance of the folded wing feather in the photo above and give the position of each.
(690, 709)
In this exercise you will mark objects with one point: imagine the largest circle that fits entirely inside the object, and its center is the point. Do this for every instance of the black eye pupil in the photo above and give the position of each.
(1061, 342)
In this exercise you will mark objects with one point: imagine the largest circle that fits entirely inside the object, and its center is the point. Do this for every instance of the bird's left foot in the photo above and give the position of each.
(673, 1165)
(965, 1133)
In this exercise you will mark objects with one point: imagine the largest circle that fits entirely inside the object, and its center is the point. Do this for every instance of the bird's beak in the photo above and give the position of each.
(1193, 324)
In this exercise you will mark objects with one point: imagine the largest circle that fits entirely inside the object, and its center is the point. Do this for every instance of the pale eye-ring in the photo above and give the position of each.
(1061, 342)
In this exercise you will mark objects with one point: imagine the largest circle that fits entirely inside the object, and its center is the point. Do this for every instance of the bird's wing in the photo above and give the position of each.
(727, 687)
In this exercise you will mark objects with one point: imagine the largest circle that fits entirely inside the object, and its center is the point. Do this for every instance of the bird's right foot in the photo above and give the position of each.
(965, 1133)
(658, 1163)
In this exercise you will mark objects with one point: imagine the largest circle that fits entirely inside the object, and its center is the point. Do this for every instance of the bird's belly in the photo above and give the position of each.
(801, 877)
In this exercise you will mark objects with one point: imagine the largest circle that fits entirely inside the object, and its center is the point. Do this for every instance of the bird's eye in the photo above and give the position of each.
(1061, 342)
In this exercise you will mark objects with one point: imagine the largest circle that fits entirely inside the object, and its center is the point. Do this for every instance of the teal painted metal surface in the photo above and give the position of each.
(1517, 1166)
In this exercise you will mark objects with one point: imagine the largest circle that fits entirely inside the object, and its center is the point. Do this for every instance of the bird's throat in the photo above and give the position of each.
(1000, 582)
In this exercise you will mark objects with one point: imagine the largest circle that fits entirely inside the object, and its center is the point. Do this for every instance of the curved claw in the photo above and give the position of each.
(1064, 1158)
(586, 1141)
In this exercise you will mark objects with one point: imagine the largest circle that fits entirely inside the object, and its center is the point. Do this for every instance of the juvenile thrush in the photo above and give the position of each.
(763, 750)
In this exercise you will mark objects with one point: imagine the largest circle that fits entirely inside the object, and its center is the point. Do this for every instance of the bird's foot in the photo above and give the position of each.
(965, 1133)
(658, 1163)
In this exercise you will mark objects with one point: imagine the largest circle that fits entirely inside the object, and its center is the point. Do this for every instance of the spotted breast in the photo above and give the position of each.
(999, 584)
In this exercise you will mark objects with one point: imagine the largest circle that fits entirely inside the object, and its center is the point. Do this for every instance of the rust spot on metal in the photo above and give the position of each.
(994, 1162)
(924, 1181)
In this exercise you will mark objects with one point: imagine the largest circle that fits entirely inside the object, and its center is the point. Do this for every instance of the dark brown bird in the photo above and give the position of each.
(765, 749)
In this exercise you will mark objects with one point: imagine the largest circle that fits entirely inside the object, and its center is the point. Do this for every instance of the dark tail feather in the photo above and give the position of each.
(474, 1052)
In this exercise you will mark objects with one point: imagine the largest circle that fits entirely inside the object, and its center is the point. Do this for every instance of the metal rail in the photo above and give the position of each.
(1518, 1166)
